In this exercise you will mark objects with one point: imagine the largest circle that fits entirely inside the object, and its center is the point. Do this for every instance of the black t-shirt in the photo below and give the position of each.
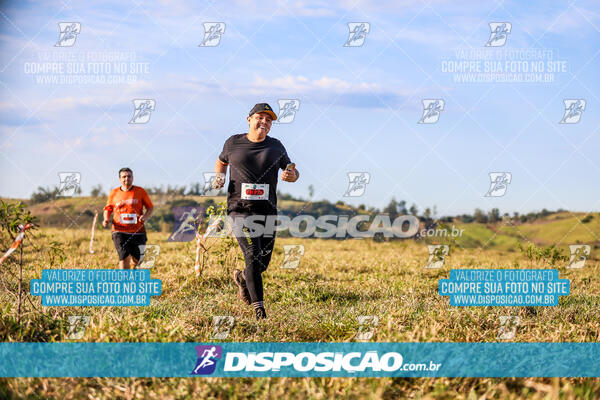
(252, 166)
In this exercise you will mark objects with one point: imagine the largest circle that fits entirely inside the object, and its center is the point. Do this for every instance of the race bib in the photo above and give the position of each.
(255, 191)
(128, 219)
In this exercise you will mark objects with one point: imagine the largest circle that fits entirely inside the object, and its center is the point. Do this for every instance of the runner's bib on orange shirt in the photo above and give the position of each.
(127, 208)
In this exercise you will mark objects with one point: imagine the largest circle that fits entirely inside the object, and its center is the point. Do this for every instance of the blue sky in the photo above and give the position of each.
(359, 106)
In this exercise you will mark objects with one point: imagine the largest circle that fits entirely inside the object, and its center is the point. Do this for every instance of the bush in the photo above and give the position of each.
(550, 254)
(44, 194)
(11, 216)
(97, 191)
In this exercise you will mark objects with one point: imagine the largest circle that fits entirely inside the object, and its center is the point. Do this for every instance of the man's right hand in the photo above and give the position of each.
(105, 223)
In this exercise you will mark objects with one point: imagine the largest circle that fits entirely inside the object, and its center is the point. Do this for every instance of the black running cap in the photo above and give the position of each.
(263, 107)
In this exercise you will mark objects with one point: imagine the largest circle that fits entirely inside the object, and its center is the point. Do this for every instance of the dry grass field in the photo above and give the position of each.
(336, 282)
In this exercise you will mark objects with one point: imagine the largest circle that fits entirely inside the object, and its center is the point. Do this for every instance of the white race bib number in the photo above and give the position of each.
(255, 191)
(128, 219)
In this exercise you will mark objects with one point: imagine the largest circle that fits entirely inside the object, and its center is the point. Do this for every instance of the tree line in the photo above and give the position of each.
(394, 208)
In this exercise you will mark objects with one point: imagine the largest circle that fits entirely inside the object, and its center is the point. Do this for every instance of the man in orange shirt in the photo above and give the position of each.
(127, 203)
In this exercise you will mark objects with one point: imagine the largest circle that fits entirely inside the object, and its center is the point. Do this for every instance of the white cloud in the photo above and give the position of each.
(301, 85)
(428, 37)
(570, 21)
(102, 136)
(304, 9)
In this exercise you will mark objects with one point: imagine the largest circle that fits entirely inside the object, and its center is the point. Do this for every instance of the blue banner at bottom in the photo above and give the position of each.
(310, 359)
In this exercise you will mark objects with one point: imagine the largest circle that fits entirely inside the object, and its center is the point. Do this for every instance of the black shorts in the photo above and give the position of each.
(128, 244)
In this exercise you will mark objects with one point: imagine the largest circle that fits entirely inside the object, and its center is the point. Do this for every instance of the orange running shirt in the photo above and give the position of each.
(127, 208)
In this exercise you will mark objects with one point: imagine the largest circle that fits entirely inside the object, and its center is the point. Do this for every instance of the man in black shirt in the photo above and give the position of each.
(255, 160)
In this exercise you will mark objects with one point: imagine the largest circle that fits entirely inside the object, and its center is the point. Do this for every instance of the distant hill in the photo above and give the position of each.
(560, 228)
(78, 212)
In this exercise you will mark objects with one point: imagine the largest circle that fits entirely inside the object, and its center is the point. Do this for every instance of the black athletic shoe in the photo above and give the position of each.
(243, 293)
(261, 313)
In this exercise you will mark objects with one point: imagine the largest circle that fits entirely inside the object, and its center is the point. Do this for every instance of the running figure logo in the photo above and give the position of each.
(508, 327)
(218, 227)
(77, 325)
(209, 179)
(358, 183)
(187, 220)
(498, 34)
(579, 253)
(69, 183)
(432, 109)
(149, 255)
(366, 327)
(222, 326)
(142, 108)
(573, 110)
(437, 255)
(292, 253)
(68, 33)
(358, 33)
(207, 359)
(212, 34)
(499, 182)
(287, 110)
